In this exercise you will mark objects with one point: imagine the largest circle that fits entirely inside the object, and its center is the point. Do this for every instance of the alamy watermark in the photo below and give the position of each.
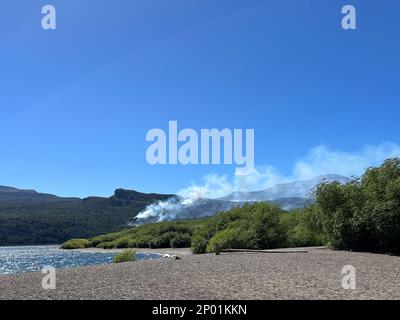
(49, 20)
(187, 146)
(349, 277)
(349, 21)
(49, 280)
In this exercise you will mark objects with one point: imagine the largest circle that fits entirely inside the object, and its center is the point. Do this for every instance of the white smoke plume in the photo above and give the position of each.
(320, 160)
(162, 210)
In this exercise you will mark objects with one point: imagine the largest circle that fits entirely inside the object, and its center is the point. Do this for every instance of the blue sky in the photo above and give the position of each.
(76, 103)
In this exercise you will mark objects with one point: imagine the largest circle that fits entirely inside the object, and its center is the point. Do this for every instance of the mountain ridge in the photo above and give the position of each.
(121, 196)
(33, 218)
(295, 189)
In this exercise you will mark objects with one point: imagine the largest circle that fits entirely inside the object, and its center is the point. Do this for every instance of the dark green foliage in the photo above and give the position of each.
(176, 234)
(182, 240)
(76, 244)
(363, 215)
(199, 244)
(122, 242)
(47, 219)
(257, 226)
(228, 238)
(303, 227)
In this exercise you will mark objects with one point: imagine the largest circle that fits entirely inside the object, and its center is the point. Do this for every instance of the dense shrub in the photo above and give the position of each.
(199, 244)
(267, 230)
(142, 241)
(106, 245)
(122, 242)
(231, 238)
(181, 240)
(257, 226)
(76, 244)
(303, 228)
(176, 234)
(365, 214)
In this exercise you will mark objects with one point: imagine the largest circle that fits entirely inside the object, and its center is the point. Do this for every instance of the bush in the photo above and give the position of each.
(303, 228)
(76, 244)
(122, 242)
(142, 241)
(300, 236)
(125, 256)
(106, 245)
(96, 241)
(199, 244)
(181, 241)
(266, 229)
(335, 206)
(363, 215)
(159, 242)
(233, 238)
(256, 226)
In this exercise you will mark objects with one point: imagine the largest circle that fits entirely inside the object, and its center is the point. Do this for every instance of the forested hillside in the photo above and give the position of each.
(28, 217)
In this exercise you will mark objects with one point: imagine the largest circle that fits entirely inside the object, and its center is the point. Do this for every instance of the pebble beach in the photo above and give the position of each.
(312, 275)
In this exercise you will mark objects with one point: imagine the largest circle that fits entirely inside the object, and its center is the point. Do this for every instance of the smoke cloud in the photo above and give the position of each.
(320, 160)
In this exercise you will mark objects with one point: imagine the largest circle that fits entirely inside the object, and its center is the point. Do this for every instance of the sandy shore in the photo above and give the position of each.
(312, 275)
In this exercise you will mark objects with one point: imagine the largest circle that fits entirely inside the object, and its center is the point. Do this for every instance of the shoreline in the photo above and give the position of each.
(188, 251)
(160, 251)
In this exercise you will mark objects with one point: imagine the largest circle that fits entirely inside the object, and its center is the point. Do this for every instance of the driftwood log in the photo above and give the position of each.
(267, 251)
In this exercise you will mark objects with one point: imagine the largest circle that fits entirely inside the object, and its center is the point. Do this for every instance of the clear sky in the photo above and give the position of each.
(76, 103)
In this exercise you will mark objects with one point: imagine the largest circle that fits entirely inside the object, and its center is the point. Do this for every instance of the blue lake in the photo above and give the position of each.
(33, 258)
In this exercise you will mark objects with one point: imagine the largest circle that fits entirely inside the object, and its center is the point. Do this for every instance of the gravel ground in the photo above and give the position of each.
(312, 275)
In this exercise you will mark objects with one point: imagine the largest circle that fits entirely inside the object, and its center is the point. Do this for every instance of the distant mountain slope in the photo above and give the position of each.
(14, 194)
(206, 208)
(297, 189)
(288, 196)
(29, 217)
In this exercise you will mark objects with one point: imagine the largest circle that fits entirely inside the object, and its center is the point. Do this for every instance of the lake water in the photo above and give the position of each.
(34, 258)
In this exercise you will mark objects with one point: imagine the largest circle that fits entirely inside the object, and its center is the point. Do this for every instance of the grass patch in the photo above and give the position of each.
(125, 256)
